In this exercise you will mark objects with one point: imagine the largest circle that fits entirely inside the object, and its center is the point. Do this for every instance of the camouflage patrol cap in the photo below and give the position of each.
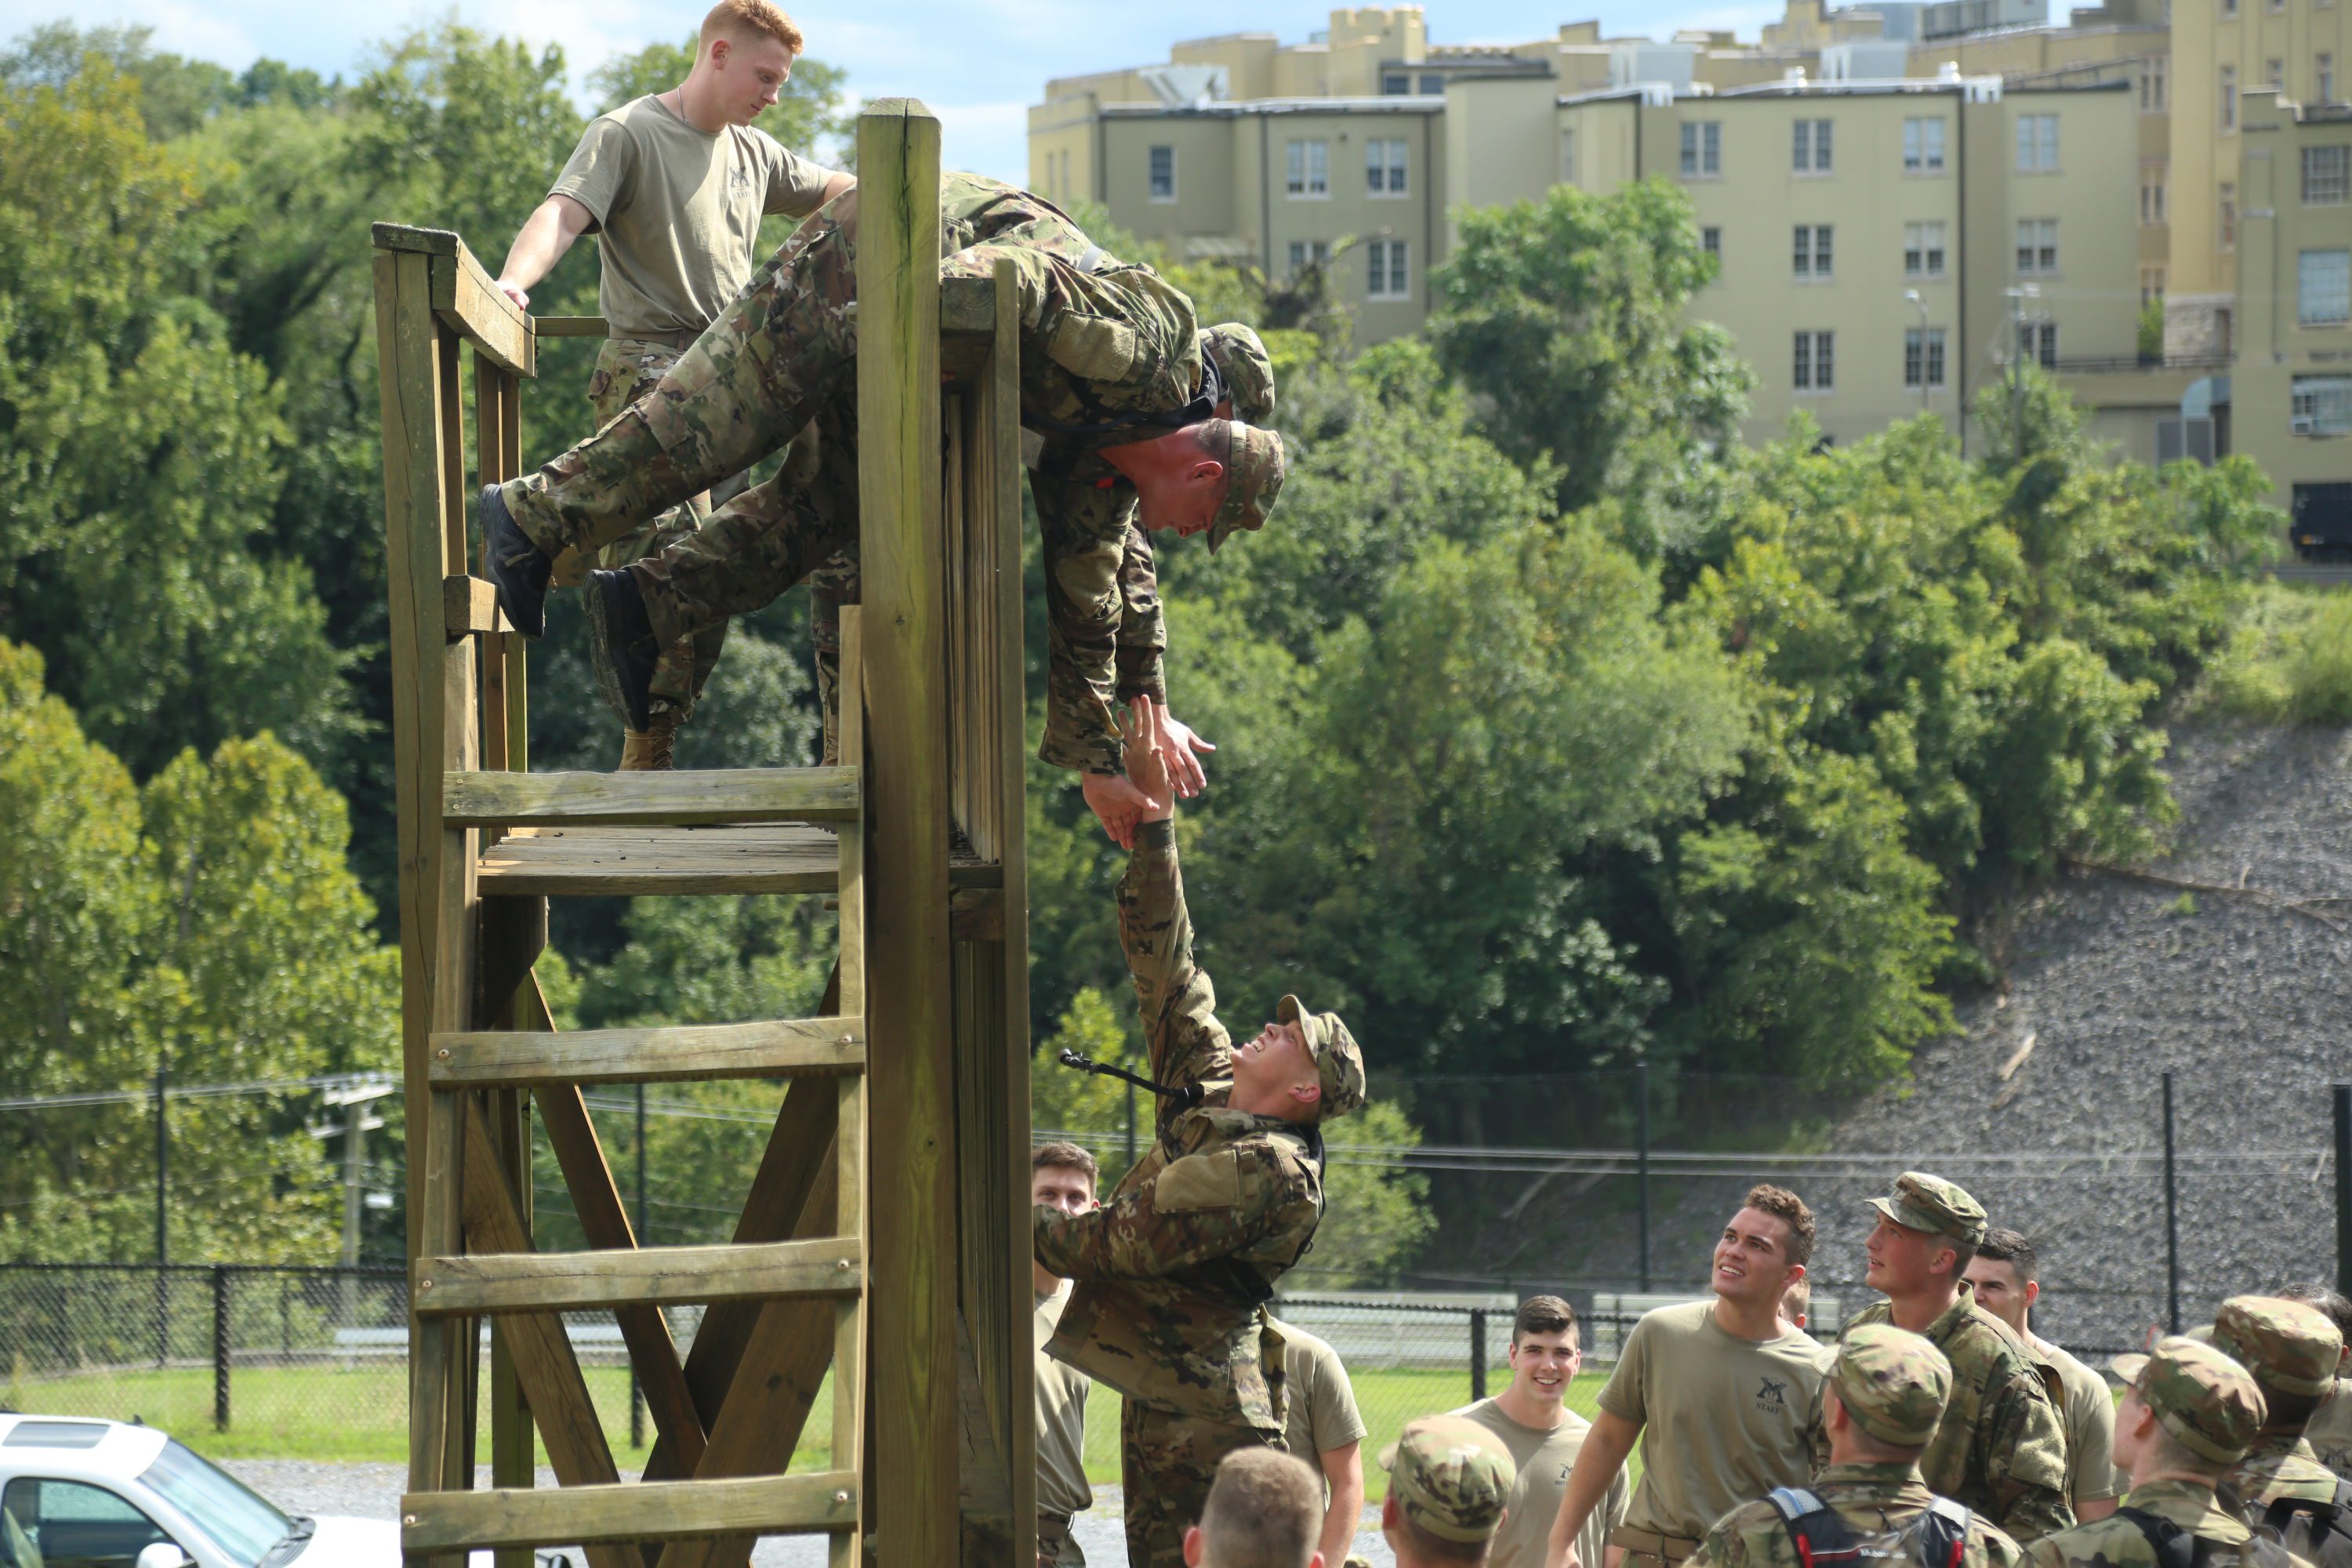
(1922, 1201)
(1254, 466)
(2207, 1401)
(1892, 1383)
(2288, 1346)
(1242, 364)
(1451, 1477)
(1337, 1059)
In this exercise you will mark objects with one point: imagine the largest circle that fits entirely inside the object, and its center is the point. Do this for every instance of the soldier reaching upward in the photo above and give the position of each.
(2001, 1447)
(2187, 1415)
(1112, 377)
(1174, 1271)
(1881, 1403)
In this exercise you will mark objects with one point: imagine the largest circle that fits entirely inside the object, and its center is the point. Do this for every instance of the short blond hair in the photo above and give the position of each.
(1263, 1510)
(740, 18)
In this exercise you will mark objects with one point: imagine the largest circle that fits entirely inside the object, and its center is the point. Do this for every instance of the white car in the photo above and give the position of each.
(79, 1493)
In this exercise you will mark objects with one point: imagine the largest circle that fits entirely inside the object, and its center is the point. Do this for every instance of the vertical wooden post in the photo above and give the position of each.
(912, 1373)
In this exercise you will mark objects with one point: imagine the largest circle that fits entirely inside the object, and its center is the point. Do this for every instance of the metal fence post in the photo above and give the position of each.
(220, 1347)
(1642, 1128)
(2342, 1094)
(1477, 1352)
(2172, 1221)
(163, 1227)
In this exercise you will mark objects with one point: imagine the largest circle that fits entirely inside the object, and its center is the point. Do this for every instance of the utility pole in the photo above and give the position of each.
(354, 1098)
(2171, 1222)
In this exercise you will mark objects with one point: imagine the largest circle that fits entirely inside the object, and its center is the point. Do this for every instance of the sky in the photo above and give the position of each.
(978, 63)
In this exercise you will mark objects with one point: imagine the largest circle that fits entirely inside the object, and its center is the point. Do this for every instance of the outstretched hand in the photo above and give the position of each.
(1118, 805)
(1178, 743)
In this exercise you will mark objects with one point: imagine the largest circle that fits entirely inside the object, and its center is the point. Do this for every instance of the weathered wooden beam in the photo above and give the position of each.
(471, 604)
(645, 1510)
(783, 1049)
(911, 1209)
(483, 1284)
(680, 799)
(630, 861)
(976, 914)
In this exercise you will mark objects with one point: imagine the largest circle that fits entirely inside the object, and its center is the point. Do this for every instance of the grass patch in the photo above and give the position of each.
(2288, 660)
(360, 1414)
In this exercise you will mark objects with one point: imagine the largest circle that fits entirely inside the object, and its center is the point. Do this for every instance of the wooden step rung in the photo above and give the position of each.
(639, 1510)
(499, 1283)
(787, 1048)
(685, 798)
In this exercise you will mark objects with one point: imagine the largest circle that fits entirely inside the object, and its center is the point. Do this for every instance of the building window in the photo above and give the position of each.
(2037, 144)
(1310, 168)
(1395, 84)
(1922, 146)
(2327, 174)
(1811, 251)
(2321, 406)
(2151, 287)
(1384, 167)
(1710, 240)
(2275, 73)
(1923, 357)
(1702, 149)
(2229, 98)
(1810, 152)
(2229, 8)
(1922, 250)
(1567, 157)
(2037, 245)
(2151, 195)
(1163, 174)
(2323, 292)
(2155, 83)
(2041, 343)
(2226, 209)
(1433, 86)
(2323, 79)
(1386, 278)
(1815, 368)
(1305, 253)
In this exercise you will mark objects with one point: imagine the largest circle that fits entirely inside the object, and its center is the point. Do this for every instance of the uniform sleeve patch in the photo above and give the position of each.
(1198, 1182)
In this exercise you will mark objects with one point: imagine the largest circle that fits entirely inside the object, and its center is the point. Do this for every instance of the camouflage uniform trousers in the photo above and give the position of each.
(1166, 1463)
(784, 353)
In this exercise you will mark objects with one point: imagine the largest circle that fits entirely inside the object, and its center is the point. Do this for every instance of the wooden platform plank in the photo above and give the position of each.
(583, 1281)
(634, 861)
(683, 798)
(471, 604)
(786, 1048)
(644, 1511)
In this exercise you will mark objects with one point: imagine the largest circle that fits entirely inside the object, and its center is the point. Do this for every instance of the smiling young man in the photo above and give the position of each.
(1719, 1393)
(1174, 1272)
(1061, 1176)
(1532, 1419)
(674, 185)
(2000, 1448)
(2006, 1275)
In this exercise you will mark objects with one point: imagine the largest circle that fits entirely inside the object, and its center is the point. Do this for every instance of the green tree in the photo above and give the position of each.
(1564, 319)
(807, 116)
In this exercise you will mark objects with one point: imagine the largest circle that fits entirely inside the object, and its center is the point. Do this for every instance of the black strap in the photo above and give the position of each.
(2315, 1532)
(1938, 1538)
(1203, 406)
(2175, 1547)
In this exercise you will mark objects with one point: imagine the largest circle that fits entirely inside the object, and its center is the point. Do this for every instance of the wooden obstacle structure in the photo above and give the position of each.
(886, 1236)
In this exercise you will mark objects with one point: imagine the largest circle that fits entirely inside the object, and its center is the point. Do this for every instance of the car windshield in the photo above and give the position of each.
(241, 1524)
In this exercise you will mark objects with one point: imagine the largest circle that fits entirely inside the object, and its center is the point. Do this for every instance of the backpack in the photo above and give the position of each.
(2177, 1548)
(1938, 1538)
(2318, 1533)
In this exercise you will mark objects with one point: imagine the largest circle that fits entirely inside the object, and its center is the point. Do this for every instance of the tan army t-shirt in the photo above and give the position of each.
(2089, 1413)
(1544, 1458)
(1724, 1417)
(1061, 1419)
(1322, 1413)
(678, 211)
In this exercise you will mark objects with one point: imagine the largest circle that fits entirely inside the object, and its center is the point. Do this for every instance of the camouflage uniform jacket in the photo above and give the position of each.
(2280, 1466)
(1173, 1269)
(2330, 1431)
(2117, 1542)
(1875, 1499)
(1103, 344)
(2000, 1448)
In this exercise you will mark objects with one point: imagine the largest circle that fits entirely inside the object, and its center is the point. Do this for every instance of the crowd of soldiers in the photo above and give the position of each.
(1937, 1430)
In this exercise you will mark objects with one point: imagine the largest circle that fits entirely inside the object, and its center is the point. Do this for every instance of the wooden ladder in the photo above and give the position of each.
(897, 1170)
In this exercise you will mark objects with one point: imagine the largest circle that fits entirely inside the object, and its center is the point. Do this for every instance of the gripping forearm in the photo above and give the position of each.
(545, 236)
(1603, 1454)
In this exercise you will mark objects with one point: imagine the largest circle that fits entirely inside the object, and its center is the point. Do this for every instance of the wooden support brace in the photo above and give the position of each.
(593, 1514)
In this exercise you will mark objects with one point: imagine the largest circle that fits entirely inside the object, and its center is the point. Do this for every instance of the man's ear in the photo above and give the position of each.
(1192, 1547)
(1206, 471)
(721, 48)
(1307, 1093)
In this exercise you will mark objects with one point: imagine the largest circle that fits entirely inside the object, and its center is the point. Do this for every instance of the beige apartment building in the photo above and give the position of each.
(1904, 195)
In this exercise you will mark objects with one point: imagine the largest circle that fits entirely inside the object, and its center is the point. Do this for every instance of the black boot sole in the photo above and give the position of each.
(628, 641)
(518, 567)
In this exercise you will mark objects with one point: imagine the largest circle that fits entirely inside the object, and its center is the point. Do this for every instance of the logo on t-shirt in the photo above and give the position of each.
(1772, 1398)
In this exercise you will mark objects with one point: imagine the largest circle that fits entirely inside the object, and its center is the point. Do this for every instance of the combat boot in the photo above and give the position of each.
(630, 651)
(517, 566)
(648, 750)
